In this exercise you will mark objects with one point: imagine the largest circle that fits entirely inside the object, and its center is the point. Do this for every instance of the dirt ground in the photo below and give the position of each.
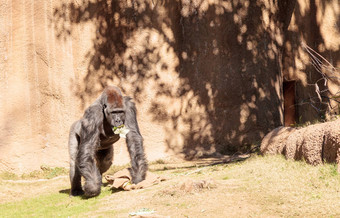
(257, 187)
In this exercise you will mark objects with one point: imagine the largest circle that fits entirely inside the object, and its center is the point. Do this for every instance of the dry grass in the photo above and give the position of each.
(287, 188)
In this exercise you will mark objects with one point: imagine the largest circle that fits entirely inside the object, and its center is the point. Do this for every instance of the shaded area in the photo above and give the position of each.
(65, 191)
(199, 164)
(210, 71)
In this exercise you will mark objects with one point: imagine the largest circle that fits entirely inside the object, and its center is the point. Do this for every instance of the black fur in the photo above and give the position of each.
(91, 139)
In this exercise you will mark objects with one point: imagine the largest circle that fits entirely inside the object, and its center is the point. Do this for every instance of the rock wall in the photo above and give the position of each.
(37, 73)
(205, 75)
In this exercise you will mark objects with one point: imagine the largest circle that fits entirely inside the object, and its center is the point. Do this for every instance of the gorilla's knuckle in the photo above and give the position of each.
(92, 189)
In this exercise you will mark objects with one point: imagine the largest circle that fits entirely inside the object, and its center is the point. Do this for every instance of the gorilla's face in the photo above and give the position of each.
(114, 107)
(115, 116)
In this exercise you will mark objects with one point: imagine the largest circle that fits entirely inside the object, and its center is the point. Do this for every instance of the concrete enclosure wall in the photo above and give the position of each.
(206, 75)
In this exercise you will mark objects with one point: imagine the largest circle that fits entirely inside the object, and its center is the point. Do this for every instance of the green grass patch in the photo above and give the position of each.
(45, 172)
(158, 161)
(52, 205)
(225, 178)
(9, 176)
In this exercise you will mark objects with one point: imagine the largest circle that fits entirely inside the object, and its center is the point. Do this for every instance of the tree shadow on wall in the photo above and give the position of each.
(209, 70)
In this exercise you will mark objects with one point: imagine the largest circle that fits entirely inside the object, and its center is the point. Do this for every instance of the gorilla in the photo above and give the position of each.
(92, 137)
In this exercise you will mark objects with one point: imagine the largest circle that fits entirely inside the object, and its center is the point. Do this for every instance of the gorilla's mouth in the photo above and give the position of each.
(114, 128)
(121, 130)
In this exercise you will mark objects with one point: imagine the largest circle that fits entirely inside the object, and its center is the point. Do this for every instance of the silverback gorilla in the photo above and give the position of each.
(91, 139)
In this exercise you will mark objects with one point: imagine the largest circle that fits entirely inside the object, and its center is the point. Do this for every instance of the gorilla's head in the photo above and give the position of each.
(114, 109)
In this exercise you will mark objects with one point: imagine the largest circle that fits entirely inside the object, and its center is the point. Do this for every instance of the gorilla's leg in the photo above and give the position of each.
(104, 159)
(75, 176)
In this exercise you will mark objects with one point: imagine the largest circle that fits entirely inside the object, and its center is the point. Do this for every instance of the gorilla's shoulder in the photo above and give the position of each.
(93, 111)
(129, 103)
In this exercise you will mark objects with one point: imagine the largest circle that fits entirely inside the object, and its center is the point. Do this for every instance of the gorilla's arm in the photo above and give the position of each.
(91, 124)
(73, 144)
(134, 143)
